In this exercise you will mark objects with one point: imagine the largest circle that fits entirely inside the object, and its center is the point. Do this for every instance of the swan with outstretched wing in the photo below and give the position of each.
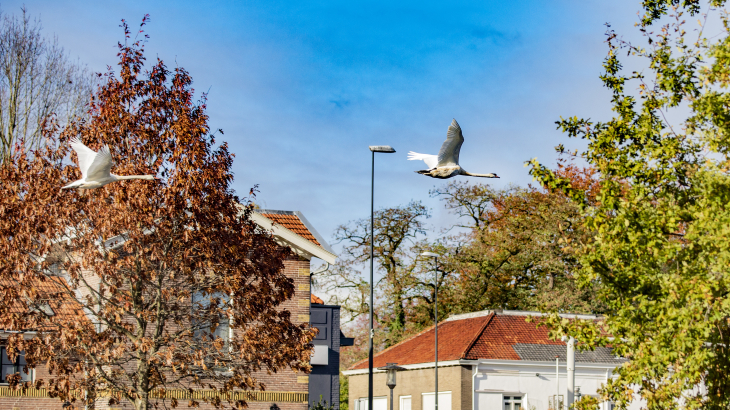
(446, 163)
(96, 168)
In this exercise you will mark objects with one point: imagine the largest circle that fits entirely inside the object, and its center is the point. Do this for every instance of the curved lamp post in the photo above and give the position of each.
(391, 368)
(435, 257)
(386, 149)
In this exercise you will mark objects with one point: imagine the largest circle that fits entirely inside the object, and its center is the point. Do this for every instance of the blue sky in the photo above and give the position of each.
(302, 88)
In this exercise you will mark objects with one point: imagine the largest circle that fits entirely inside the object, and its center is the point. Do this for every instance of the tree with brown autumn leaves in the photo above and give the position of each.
(516, 250)
(141, 287)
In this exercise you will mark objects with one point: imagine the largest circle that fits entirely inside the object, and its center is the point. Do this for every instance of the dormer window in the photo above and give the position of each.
(40, 307)
(44, 308)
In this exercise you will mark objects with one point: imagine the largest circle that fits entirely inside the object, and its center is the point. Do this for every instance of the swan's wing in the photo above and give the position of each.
(430, 160)
(449, 152)
(85, 154)
(102, 165)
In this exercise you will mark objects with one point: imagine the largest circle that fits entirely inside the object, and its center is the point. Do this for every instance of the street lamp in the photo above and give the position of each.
(386, 149)
(391, 368)
(436, 324)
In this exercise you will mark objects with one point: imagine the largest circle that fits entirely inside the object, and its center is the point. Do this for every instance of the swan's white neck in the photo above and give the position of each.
(463, 172)
(125, 177)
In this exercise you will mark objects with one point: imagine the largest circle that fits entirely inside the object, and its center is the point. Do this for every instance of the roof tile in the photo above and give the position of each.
(292, 223)
(454, 338)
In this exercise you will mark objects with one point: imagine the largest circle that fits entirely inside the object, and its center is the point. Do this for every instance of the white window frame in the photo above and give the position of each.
(441, 393)
(361, 403)
(512, 401)
(402, 398)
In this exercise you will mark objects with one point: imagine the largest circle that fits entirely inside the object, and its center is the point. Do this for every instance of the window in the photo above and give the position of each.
(405, 403)
(512, 402)
(428, 401)
(202, 329)
(379, 403)
(7, 367)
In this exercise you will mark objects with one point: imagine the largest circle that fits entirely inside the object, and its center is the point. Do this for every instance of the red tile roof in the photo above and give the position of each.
(484, 335)
(292, 223)
(52, 288)
(455, 337)
(315, 300)
(497, 339)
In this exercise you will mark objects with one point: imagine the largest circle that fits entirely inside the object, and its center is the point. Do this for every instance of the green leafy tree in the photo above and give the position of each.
(344, 392)
(660, 219)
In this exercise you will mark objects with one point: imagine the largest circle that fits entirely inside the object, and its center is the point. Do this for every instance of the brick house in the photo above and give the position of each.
(489, 360)
(289, 390)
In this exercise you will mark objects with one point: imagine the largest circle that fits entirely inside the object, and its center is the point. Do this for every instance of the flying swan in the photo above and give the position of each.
(446, 163)
(96, 168)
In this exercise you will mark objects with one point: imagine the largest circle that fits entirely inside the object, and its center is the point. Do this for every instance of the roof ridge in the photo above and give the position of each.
(478, 334)
(581, 316)
(471, 315)
(273, 211)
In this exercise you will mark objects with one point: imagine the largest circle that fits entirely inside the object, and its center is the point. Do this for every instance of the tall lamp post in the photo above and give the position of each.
(386, 149)
(391, 368)
(436, 323)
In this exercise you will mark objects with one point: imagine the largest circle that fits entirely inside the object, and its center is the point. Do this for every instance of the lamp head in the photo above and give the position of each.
(430, 254)
(382, 148)
(391, 369)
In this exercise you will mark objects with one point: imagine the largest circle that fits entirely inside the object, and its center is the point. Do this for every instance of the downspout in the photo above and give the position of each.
(571, 372)
(474, 387)
(321, 270)
(317, 272)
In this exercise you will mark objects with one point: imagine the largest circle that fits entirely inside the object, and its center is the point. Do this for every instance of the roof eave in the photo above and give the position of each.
(300, 245)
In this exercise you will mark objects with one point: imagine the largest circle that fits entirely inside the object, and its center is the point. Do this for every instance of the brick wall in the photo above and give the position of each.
(287, 380)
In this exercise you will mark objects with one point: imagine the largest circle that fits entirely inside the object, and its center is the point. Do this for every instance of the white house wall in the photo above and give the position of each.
(535, 382)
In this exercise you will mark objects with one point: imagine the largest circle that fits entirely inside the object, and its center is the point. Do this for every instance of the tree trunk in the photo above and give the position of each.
(142, 403)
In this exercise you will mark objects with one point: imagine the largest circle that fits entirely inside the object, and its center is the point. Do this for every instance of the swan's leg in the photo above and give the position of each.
(82, 192)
